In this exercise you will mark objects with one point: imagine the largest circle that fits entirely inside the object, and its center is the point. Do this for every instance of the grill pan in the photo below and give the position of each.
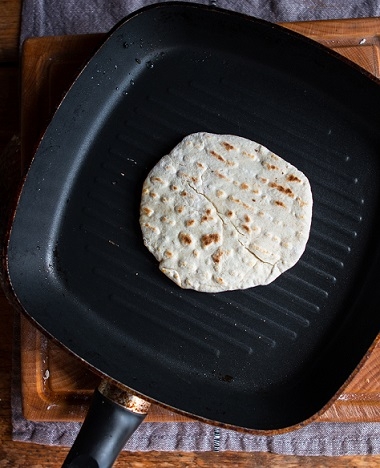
(266, 359)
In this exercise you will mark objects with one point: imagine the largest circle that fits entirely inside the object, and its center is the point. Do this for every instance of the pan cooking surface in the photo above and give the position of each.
(264, 358)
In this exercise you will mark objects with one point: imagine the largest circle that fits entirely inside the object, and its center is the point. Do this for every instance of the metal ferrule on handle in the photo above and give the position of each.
(112, 418)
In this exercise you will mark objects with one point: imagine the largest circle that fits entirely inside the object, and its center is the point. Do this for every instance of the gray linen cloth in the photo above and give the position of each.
(49, 17)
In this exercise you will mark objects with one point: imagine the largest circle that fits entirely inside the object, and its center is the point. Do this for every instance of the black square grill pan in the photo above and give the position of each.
(262, 359)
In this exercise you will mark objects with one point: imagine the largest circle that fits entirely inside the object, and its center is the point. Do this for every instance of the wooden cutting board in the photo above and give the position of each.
(56, 386)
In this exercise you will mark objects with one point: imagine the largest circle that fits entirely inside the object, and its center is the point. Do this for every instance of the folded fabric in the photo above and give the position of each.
(49, 17)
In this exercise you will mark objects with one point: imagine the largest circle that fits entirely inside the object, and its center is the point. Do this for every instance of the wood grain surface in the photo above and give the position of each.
(10, 18)
(348, 35)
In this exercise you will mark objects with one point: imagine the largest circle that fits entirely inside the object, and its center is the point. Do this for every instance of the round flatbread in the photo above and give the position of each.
(221, 212)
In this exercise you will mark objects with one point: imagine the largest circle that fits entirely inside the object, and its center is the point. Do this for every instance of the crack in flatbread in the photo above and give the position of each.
(227, 222)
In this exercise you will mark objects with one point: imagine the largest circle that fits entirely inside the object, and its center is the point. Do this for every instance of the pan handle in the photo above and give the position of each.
(112, 418)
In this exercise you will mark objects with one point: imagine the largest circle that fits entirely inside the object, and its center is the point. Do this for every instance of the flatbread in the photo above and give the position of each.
(221, 212)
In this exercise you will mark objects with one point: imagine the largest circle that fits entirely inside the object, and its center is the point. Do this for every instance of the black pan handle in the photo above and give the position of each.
(112, 418)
